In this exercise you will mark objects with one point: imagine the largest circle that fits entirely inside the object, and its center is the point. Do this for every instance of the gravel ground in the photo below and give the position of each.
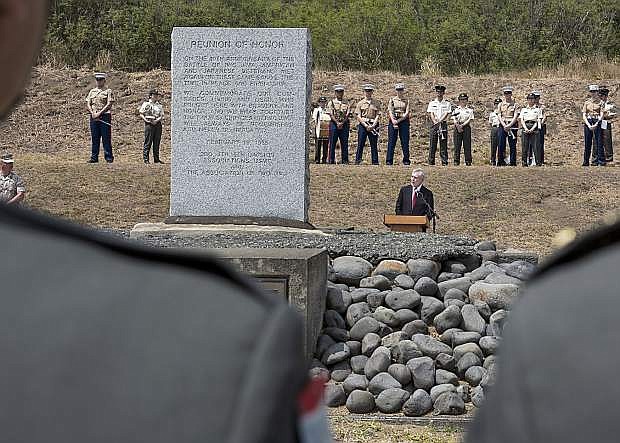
(372, 246)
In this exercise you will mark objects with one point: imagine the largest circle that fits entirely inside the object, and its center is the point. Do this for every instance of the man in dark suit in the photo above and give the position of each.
(108, 341)
(415, 198)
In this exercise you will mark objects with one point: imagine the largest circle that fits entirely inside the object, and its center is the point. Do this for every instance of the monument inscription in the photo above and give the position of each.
(240, 100)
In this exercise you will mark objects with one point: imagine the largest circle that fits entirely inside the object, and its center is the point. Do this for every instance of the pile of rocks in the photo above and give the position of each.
(417, 336)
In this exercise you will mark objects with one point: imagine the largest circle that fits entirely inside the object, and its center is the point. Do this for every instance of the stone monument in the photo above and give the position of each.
(240, 103)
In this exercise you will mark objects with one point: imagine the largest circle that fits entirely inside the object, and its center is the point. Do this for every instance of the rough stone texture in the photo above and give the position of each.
(390, 269)
(357, 311)
(426, 286)
(381, 382)
(391, 400)
(351, 270)
(467, 361)
(340, 371)
(323, 343)
(353, 382)
(370, 343)
(364, 326)
(472, 320)
(443, 377)
(404, 281)
(449, 318)
(477, 396)
(496, 296)
(520, 269)
(406, 315)
(415, 327)
(361, 294)
(500, 278)
(489, 345)
(461, 350)
(408, 299)
(355, 347)
(358, 363)
(430, 346)
(474, 375)
(489, 361)
(479, 274)
(337, 334)
(334, 395)
(375, 299)
(205, 171)
(401, 373)
(360, 402)
(437, 390)
(332, 319)
(336, 301)
(423, 268)
(419, 404)
(446, 361)
(391, 340)
(430, 308)
(405, 351)
(458, 303)
(445, 276)
(455, 267)
(497, 322)
(379, 362)
(464, 392)
(379, 282)
(483, 309)
(454, 294)
(449, 403)
(422, 372)
(456, 337)
(387, 316)
(462, 283)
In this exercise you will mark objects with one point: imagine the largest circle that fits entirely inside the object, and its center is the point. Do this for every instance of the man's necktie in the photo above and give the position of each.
(413, 199)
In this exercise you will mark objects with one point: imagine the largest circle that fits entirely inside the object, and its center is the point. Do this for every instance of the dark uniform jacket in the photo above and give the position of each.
(107, 341)
(403, 204)
(558, 363)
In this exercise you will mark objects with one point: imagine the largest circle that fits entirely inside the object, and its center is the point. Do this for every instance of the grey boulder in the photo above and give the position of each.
(355, 347)
(462, 283)
(391, 400)
(483, 309)
(375, 299)
(419, 404)
(357, 311)
(472, 320)
(422, 372)
(379, 282)
(360, 402)
(361, 294)
(332, 319)
(500, 278)
(353, 382)
(401, 373)
(336, 301)
(337, 334)
(336, 353)
(448, 318)
(358, 363)
(426, 286)
(445, 276)
(454, 294)
(340, 371)
(334, 395)
(423, 268)
(443, 377)
(456, 337)
(364, 326)
(474, 375)
(449, 403)
(391, 340)
(405, 351)
(429, 346)
(406, 315)
(437, 390)
(351, 270)
(496, 296)
(497, 322)
(387, 316)
(381, 382)
(446, 362)
(477, 396)
(463, 349)
(390, 269)
(466, 362)
(520, 269)
(430, 308)
(415, 327)
(489, 345)
(407, 299)
(404, 281)
(370, 342)
(379, 362)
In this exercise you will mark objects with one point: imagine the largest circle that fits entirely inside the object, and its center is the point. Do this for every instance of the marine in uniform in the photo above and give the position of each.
(339, 110)
(543, 126)
(592, 114)
(367, 112)
(608, 115)
(530, 118)
(494, 124)
(321, 120)
(12, 188)
(152, 113)
(99, 102)
(398, 113)
(438, 111)
(462, 116)
(508, 112)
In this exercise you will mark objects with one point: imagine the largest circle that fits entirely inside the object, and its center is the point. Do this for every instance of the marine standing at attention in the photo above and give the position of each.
(367, 112)
(508, 112)
(530, 118)
(99, 102)
(152, 113)
(462, 116)
(438, 111)
(608, 115)
(398, 114)
(339, 110)
(592, 114)
(494, 123)
(322, 121)
(543, 126)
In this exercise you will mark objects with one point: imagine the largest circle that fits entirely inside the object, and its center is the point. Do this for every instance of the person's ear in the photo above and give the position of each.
(21, 27)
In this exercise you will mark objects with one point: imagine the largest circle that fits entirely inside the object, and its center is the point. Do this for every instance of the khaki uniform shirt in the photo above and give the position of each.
(368, 109)
(591, 108)
(398, 107)
(508, 110)
(461, 115)
(10, 186)
(339, 109)
(533, 114)
(494, 119)
(99, 98)
(152, 110)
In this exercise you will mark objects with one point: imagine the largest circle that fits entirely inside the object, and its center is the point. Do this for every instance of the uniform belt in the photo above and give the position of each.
(531, 121)
(496, 126)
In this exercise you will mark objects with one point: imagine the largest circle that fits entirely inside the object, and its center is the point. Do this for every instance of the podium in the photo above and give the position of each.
(406, 223)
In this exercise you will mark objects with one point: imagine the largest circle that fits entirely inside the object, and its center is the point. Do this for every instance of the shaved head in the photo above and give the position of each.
(22, 23)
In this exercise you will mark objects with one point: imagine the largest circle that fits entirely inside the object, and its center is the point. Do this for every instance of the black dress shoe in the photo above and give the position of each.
(92, 160)
(110, 161)
(158, 161)
(585, 164)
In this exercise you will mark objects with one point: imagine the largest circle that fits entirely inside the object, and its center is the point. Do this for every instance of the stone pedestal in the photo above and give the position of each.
(299, 275)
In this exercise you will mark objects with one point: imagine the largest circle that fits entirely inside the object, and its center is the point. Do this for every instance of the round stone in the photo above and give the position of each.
(332, 319)
(360, 402)
(415, 327)
(426, 286)
(379, 362)
(405, 316)
(419, 404)
(335, 300)
(353, 382)
(387, 316)
(477, 396)
(404, 281)
(361, 294)
(463, 349)
(443, 377)
(454, 294)
(405, 351)
(351, 270)
(472, 320)
(483, 309)
(339, 335)
(474, 375)
(496, 296)
(355, 347)
(448, 318)
(357, 311)
(370, 342)
(379, 282)
(334, 395)
(467, 361)
(423, 268)
(446, 361)
(430, 346)
(437, 390)
(358, 363)
(422, 372)
(407, 299)
(449, 403)
(340, 371)
(391, 400)
(401, 373)
(489, 345)
(336, 353)
(381, 382)
(390, 269)
(364, 326)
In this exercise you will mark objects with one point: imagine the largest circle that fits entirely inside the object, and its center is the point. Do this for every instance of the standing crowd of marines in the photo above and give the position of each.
(508, 123)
